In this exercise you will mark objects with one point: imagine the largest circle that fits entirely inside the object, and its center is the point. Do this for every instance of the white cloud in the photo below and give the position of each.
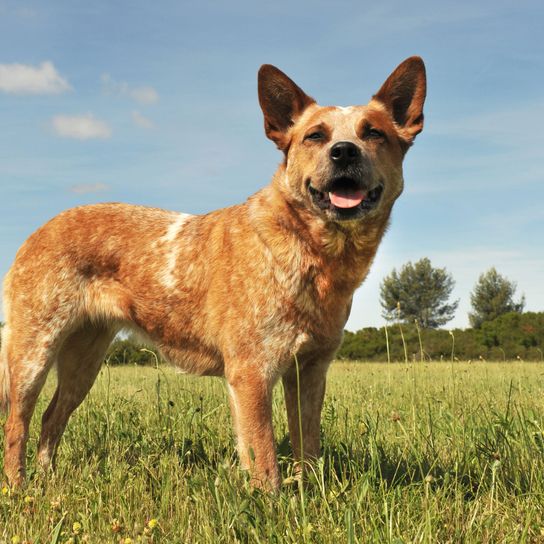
(142, 95)
(80, 127)
(141, 120)
(27, 79)
(84, 188)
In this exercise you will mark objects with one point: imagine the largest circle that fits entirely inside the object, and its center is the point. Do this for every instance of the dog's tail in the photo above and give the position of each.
(4, 374)
(4, 368)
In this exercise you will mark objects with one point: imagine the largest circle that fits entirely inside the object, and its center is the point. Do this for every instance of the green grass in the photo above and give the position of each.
(412, 453)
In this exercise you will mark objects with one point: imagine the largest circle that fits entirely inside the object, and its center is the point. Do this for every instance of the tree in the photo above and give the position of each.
(420, 292)
(493, 296)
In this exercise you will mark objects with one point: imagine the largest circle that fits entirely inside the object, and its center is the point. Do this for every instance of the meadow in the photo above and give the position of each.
(420, 452)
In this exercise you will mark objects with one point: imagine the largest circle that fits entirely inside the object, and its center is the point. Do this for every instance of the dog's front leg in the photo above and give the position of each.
(250, 391)
(310, 394)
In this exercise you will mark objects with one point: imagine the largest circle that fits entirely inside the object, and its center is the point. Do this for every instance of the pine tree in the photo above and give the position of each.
(418, 292)
(493, 295)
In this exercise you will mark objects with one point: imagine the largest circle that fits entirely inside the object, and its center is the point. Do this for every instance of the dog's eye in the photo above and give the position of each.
(374, 134)
(314, 136)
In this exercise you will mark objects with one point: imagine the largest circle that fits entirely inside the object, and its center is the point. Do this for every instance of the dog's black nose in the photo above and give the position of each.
(344, 153)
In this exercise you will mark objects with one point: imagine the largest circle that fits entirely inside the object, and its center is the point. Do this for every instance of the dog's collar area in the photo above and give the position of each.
(354, 203)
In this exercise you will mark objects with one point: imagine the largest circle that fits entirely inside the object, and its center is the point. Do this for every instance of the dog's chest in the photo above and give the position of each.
(304, 319)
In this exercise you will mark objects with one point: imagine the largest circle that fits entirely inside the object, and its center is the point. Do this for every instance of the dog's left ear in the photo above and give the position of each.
(403, 94)
(282, 101)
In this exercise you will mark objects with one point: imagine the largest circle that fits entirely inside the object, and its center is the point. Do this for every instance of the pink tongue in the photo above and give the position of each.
(347, 199)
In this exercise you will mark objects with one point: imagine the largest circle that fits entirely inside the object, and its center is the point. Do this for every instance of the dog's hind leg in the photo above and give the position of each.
(312, 378)
(28, 368)
(78, 363)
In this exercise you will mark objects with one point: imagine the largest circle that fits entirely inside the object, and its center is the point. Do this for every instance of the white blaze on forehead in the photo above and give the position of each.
(168, 277)
(348, 110)
(346, 119)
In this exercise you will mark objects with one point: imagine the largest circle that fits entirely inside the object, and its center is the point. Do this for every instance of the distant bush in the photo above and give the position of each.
(123, 352)
(510, 336)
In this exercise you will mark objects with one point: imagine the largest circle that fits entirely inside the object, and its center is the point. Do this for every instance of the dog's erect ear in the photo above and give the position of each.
(403, 94)
(281, 100)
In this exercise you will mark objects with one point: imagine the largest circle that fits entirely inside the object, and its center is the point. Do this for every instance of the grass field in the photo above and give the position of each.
(412, 453)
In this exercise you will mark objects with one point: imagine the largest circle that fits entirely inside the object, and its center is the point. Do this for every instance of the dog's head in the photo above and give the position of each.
(345, 164)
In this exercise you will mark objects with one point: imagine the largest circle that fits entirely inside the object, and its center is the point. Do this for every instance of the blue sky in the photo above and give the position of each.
(156, 104)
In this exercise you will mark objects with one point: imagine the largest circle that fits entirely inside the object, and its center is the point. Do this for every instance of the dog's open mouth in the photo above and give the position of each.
(345, 199)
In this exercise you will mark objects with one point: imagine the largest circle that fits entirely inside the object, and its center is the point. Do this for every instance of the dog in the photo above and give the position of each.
(253, 293)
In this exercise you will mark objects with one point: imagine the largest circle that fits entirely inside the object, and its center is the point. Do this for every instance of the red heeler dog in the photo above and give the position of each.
(238, 292)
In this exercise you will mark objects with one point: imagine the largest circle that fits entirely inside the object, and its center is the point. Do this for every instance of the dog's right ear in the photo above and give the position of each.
(282, 101)
(403, 94)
